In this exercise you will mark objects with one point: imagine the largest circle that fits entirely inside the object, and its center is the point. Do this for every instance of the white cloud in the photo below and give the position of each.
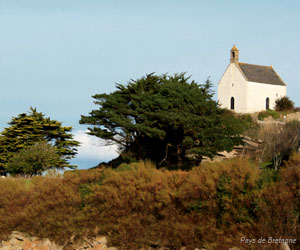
(92, 147)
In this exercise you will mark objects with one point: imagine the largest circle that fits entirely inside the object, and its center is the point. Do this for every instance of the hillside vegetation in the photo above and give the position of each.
(159, 192)
(138, 205)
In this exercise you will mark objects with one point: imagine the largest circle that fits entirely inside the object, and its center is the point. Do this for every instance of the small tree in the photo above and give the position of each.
(33, 160)
(284, 104)
(30, 128)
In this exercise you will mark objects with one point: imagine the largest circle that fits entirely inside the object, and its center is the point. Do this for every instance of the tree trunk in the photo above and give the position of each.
(140, 155)
(198, 161)
(179, 156)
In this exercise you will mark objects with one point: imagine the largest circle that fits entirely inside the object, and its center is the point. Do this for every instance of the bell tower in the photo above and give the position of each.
(234, 55)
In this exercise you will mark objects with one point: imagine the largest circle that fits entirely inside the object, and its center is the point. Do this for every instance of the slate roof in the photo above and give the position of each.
(261, 74)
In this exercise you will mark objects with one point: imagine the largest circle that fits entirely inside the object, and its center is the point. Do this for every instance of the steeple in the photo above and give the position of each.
(234, 55)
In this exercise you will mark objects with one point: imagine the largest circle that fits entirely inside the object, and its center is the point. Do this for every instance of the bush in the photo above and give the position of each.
(247, 120)
(15, 195)
(278, 213)
(264, 114)
(210, 207)
(297, 109)
(45, 207)
(252, 130)
(32, 160)
(294, 160)
(278, 142)
(284, 104)
(205, 207)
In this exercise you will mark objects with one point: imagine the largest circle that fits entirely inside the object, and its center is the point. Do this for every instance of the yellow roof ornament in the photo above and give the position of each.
(234, 48)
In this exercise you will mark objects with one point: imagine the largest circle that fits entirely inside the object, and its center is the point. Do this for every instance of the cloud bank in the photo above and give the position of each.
(92, 148)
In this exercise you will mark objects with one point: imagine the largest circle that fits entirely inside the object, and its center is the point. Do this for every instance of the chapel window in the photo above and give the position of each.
(267, 103)
(232, 103)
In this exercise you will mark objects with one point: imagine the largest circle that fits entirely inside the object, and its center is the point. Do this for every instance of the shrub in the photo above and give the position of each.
(284, 104)
(278, 213)
(45, 207)
(252, 130)
(32, 160)
(297, 109)
(15, 195)
(264, 114)
(294, 160)
(144, 206)
(278, 142)
(211, 206)
(247, 120)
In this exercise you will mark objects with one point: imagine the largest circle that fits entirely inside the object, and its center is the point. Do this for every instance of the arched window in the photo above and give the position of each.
(232, 103)
(233, 54)
(267, 103)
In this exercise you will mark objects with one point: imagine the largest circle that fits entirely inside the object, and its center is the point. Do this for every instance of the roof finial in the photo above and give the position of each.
(234, 48)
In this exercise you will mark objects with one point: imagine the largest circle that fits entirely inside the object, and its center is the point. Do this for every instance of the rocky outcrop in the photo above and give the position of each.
(292, 116)
(284, 246)
(250, 146)
(20, 241)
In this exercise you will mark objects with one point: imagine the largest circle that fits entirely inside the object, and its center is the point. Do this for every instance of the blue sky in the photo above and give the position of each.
(54, 55)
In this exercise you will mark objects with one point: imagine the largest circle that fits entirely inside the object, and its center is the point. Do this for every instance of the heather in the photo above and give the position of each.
(138, 205)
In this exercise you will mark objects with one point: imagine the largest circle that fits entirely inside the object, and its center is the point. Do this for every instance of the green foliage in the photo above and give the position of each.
(267, 177)
(30, 128)
(252, 130)
(279, 205)
(264, 114)
(284, 104)
(33, 160)
(165, 119)
(223, 194)
(246, 120)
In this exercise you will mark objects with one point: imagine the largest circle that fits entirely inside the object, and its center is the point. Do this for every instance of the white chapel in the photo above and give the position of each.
(247, 88)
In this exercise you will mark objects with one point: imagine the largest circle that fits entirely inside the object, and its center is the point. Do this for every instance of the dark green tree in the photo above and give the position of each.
(168, 119)
(30, 128)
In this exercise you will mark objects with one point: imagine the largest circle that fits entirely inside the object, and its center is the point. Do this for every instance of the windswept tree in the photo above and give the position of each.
(167, 119)
(33, 128)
